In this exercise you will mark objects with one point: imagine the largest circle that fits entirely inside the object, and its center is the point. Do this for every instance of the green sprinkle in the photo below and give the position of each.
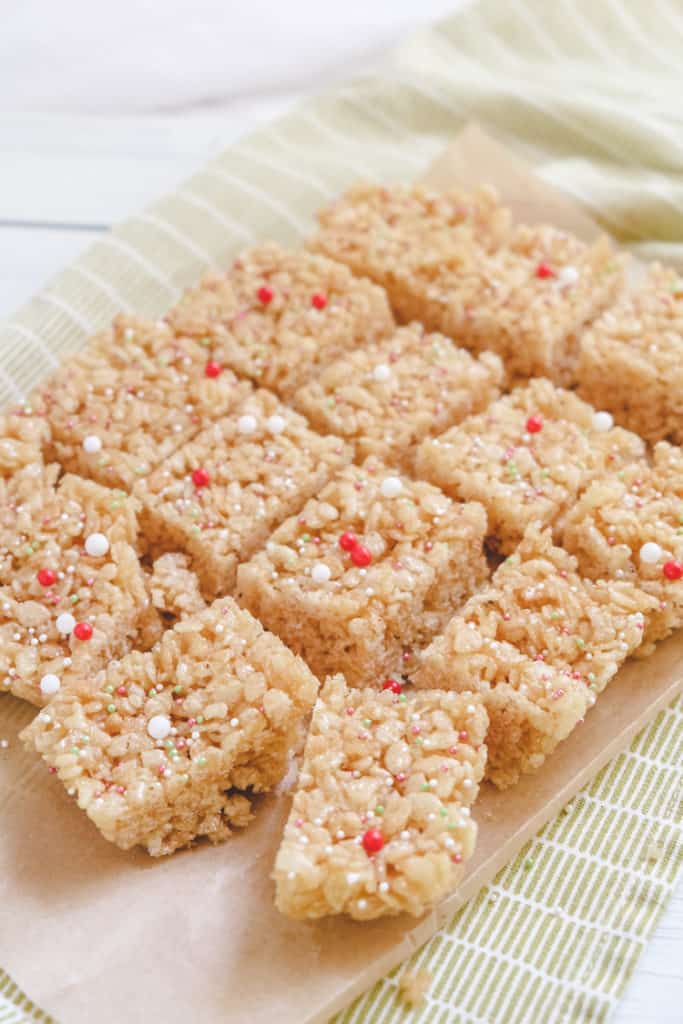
(424, 786)
(621, 475)
(402, 697)
(111, 708)
(115, 504)
(29, 549)
(202, 760)
(451, 825)
(200, 719)
(443, 812)
(379, 809)
(580, 642)
(305, 537)
(418, 739)
(109, 689)
(591, 677)
(206, 341)
(75, 750)
(120, 494)
(73, 598)
(168, 744)
(367, 722)
(177, 689)
(556, 615)
(545, 472)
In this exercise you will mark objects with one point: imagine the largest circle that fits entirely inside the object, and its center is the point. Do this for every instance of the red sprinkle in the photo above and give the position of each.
(373, 841)
(393, 685)
(265, 294)
(463, 736)
(318, 301)
(46, 577)
(534, 424)
(213, 369)
(200, 477)
(122, 691)
(348, 541)
(544, 270)
(360, 555)
(82, 630)
(673, 570)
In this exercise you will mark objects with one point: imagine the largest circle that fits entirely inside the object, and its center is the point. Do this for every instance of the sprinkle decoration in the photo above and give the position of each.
(265, 295)
(49, 684)
(276, 424)
(361, 556)
(247, 424)
(213, 369)
(603, 421)
(65, 623)
(318, 300)
(83, 631)
(393, 685)
(381, 373)
(47, 578)
(320, 573)
(200, 477)
(544, 270)
(391, 487)
(673, 570)
(159, 727)
(96, 545)
(348, 541)
(650, 553)
(373, 841)
(92, 444)
(534, 425)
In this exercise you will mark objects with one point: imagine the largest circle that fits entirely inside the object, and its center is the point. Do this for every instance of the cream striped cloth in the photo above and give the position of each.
(589, 92)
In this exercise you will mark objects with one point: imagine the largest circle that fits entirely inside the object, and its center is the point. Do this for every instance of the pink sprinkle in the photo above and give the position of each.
(415, 729)
(400, 777)
(52, 770)
(452, 750)
(299, 822)
(350, 711)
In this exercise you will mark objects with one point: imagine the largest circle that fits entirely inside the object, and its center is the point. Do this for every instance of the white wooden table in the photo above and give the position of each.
(64, 180)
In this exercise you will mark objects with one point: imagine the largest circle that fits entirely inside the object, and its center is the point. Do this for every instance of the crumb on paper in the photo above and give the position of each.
(654, 852)
(413, 987)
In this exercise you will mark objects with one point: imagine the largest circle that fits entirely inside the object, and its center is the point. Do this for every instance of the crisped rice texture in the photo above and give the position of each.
(631, 359)
(387, 397)
(426, 559)
(406, 767)
(24, 439)
(620, 513)
(526, 458)
(139, 391)
(278, 315)
(232, 697)
(261, 463)
(174, 587)
(538, 643)
(45, 527)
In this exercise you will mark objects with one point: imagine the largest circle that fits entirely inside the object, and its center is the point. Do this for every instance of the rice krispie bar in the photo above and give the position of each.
(380, 822)
(527, 457)
(159, 748)
(387, 397)
(220, 496)
(372, 567)
(538, 643)
(629, 526)
(454, 263)
(72, 592)
(631, 359)
(128, 400)
(278, 315)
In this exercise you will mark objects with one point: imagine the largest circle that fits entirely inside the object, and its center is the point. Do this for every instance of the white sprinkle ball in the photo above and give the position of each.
(92, 444)
(603, 421)
(65, 623)
(246, 424)
(96, 545)
(381, 372)
(276, 424)
(391, 487)
(49, 684)
(320, 573)
(159, 727)
(568, 275)
(650, 553)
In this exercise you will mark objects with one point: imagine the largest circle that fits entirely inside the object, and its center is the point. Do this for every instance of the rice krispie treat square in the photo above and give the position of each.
(159, 747)
(278, 315)
(527, 457)
(629, 526)
(538, 643)
(72, 592)
(380, 821)
(402, 236)
(371, 568)
(130, 398)
(387, 397)
(453, 262)
(631, 358)
(220, 496)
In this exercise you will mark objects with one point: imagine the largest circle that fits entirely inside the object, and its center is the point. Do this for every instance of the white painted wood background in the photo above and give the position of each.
(65, 178)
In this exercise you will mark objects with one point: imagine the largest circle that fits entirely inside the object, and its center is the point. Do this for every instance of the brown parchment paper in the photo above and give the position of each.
(96, 935)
